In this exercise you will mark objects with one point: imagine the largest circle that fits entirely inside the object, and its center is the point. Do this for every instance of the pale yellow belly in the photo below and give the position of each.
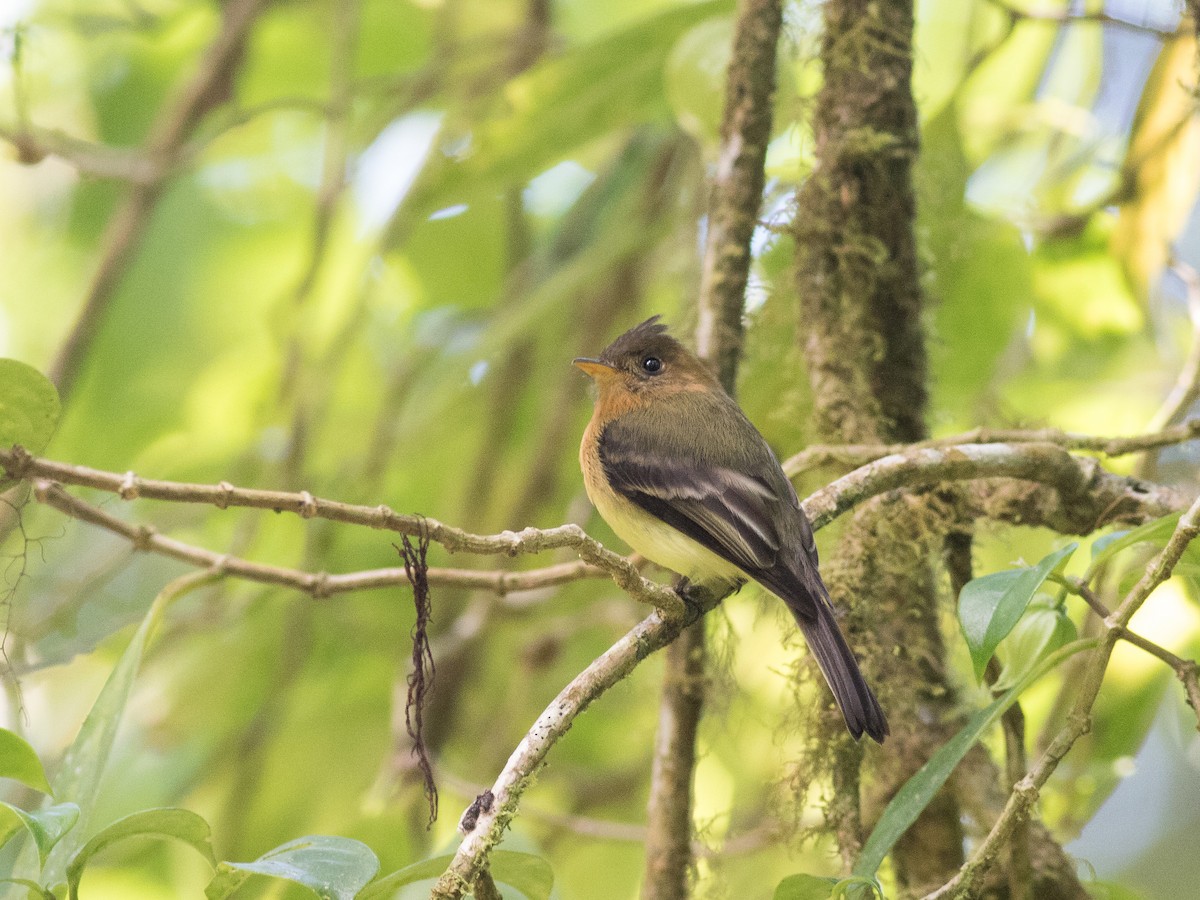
(659, 542)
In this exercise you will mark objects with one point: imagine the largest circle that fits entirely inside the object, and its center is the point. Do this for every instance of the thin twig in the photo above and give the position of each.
(1186, 670)
(19, 464)
(34, 144)
(318, 585)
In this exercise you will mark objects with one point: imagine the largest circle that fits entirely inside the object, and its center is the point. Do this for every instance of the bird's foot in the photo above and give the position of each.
(692, 608)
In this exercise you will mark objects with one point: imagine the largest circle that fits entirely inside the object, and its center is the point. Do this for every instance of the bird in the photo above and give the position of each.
(680, 474)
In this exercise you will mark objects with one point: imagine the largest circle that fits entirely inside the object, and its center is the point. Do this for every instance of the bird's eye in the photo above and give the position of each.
(652, 364)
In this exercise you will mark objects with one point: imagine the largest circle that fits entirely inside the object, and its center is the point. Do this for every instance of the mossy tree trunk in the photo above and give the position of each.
(861, 305)
(861, 311)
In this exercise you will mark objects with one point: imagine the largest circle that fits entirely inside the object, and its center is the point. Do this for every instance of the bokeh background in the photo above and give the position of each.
(363, 272)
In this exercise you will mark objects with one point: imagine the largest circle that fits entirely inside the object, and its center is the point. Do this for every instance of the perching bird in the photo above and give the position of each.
(679, 473)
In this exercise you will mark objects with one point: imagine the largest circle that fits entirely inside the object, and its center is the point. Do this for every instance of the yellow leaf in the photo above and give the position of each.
(1161, 165)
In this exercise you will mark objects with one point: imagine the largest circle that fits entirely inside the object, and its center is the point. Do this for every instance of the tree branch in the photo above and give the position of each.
(318, 585)
(1047, 464)
(1077, 481)
(737, 185)
(858, 454)
(89, 159)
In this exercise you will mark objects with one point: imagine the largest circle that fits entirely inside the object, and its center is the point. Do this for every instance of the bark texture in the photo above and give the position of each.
(861, 318)
(669, 824)
(737, 186)
(861, 306)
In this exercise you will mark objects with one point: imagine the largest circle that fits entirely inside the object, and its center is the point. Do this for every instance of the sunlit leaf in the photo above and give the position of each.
(565, 102)
(695, 77)
(989, 606)
(35, 889)
(1157, 532)
(175, 824)
(20, 762)
(333, 868)
(45, 826)
(29, 407)
(79, 775)
(1041, 631)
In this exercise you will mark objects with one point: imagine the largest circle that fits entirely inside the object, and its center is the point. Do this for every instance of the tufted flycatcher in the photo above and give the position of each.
(679, 473)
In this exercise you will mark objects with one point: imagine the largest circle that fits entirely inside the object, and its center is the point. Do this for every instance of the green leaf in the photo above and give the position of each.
(424, 870)
(29, 406)
(989, 607)
(1157, 532)
(529, 874)
(804, 887)
(916, 793)
(46, 826)
(334, 868)
(176, 824)
(19, 761)
(35, 889)
(83, 764)
(1041, 631)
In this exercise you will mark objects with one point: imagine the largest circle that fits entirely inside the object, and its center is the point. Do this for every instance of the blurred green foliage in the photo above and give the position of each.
(366, 279)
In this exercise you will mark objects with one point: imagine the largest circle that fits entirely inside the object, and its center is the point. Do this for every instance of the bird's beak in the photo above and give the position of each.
(593, 367)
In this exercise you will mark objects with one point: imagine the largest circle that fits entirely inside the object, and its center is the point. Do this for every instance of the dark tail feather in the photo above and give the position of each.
(858, 704)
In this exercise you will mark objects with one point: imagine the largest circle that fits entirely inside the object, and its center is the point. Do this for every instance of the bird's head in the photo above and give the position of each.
(646, 362)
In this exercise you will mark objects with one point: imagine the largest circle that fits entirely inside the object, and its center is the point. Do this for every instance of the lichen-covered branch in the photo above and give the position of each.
(737, 185)
(858, 454)
(669, 811)
(1092, 495)
(1076, 480)
(1079, 483)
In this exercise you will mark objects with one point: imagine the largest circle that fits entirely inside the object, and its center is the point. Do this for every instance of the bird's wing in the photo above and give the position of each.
(735, 515)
